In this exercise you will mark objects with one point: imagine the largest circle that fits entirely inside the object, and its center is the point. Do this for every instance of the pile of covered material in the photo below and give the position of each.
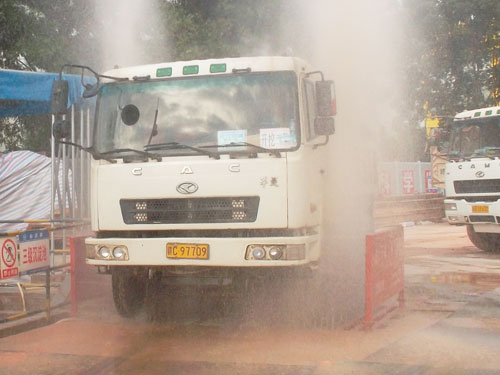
(25, 185)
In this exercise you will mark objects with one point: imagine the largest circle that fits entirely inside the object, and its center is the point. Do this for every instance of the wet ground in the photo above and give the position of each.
(450, 325)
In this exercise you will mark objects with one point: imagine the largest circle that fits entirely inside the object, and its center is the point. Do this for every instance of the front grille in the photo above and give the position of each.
(481, 219)
(475, 199)
(190, 210)
(477, 186)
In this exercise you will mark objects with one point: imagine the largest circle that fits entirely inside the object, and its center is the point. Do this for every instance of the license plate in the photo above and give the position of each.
(480, 209)
(187, 251)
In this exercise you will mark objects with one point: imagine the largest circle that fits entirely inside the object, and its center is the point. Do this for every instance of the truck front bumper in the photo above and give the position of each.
(222, 252)
(484, 216)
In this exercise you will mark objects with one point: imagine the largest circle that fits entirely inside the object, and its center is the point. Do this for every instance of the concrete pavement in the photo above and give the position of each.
(450, 326)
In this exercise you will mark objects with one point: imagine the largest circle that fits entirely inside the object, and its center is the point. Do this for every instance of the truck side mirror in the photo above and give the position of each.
(325, 98)
(59, 97)
(324, 125)
(61, 129)
(92, 90)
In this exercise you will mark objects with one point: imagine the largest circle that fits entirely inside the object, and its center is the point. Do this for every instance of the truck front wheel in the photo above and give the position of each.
(129, 290)
(484, 241)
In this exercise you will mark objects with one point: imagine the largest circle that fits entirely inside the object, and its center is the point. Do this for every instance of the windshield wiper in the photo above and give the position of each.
(260, 148)
(90, 150)
(123, 150)
(154, 130)
(177, 145)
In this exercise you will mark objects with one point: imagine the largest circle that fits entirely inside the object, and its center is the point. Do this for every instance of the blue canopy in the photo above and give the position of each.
(28, 93)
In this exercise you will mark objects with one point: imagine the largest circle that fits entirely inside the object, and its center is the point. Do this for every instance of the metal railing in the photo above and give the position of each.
(48, 270)
(70, 171)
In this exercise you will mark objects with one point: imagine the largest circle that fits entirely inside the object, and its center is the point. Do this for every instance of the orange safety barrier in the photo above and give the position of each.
(384, 272)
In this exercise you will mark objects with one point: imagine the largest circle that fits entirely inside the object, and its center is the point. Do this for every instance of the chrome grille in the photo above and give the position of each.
(481, 219)
(477, 186)
(190, 210)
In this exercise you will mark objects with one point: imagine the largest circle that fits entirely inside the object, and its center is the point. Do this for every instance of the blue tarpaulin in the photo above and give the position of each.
(28, 93)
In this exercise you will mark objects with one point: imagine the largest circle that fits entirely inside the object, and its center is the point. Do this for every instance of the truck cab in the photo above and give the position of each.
(472, 176)
(207, 170)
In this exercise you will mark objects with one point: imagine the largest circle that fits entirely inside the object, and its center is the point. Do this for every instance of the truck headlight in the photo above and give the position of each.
(104, 252)
(276, 252)
(120, 253)
(107, 252)
(450, 206)
(258, 252)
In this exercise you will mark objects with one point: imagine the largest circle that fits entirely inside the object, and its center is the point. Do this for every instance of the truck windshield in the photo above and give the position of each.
(476, 138)
(226, 113)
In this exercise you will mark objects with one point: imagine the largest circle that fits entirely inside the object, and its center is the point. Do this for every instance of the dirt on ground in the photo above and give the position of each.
(450, 325)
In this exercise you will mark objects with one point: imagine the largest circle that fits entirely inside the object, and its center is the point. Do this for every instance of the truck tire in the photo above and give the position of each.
(152, 300)
(129, 290)
(484, 241)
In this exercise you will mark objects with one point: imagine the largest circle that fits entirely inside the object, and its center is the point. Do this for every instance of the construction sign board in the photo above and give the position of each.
(34, 251)
(9, 263)
(408, 182)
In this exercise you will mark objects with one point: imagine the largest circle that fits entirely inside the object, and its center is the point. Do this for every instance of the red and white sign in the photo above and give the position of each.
(408, 182)
(9, 265)
(34, 251)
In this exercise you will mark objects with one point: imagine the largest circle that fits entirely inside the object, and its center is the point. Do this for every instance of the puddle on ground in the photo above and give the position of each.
(473, 278)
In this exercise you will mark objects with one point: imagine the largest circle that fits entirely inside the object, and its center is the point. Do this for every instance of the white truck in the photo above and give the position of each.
(206, 172)
(472, 176)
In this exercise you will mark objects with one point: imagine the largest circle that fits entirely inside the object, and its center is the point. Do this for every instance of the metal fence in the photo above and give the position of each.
(26, 257)
(44, 248)
(405, 179)
(70, 197)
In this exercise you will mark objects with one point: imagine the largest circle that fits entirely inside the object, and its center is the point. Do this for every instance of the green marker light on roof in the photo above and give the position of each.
(164, 72)
(190, 69)
(218, 68)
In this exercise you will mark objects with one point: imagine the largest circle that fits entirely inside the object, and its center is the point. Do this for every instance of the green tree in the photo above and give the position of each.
(449, 57)
(450, 46)
(41, 35)
(223, 28)
(26, 133)
(45, 34)
(35, 35)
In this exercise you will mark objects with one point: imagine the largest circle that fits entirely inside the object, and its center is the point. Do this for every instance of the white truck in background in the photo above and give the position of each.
(206, 172)
(472, 176)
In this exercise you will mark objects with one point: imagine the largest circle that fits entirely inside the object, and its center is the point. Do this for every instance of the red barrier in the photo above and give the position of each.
(384, 288)
(77, 251)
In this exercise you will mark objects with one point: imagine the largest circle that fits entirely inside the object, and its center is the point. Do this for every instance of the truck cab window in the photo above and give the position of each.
(259, 108)
(473, 138)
